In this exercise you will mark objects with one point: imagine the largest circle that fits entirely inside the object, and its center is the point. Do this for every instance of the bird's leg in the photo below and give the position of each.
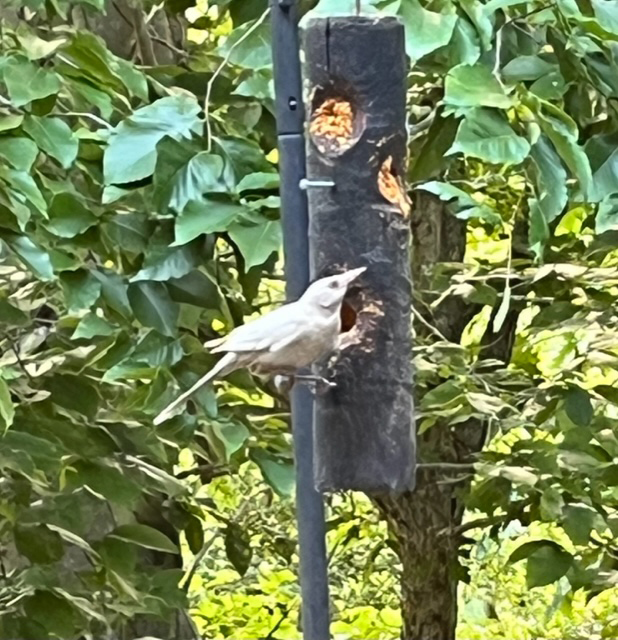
(283, 383)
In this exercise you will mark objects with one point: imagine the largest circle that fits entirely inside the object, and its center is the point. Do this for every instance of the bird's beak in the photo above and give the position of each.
(349, 276)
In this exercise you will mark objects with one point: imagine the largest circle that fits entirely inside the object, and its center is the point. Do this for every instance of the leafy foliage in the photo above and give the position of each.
(130, 232)
(126, 240)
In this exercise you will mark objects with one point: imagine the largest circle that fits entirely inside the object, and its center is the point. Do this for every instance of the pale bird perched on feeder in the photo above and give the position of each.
(283, 341)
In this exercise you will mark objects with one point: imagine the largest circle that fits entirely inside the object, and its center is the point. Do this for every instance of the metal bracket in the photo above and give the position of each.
(305, 184)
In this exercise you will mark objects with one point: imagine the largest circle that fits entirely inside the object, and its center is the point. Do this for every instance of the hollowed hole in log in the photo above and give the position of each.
(336, 123)
(360, 314)
(348, 317)
(392, 187)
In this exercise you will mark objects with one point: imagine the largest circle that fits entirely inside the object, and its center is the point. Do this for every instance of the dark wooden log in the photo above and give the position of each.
(355, 69)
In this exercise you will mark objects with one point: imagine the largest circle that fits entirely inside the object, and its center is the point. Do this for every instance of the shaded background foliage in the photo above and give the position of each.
(139, 217)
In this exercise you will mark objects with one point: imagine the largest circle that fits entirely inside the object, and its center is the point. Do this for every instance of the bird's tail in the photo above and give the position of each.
(225, 364)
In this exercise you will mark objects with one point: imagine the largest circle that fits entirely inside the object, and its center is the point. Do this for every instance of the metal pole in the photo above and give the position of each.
(290, 129)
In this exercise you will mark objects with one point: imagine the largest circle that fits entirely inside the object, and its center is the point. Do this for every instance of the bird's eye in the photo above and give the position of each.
(333, 284)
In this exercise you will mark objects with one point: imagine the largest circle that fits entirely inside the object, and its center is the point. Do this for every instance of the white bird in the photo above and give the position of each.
(283, 341)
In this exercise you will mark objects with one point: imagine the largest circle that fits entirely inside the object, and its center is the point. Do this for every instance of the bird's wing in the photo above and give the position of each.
(261, 334)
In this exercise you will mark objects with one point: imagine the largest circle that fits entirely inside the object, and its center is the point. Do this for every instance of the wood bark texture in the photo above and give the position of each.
(356, 75)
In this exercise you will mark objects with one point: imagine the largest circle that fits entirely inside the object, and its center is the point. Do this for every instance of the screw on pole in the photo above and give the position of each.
(295, 220)
(305, 184)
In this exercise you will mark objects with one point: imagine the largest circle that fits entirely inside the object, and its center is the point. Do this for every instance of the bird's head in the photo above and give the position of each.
(328, 293)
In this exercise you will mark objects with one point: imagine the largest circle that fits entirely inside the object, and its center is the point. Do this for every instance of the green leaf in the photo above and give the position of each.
(252, 51)
(10, 315)
(153, 307)
(10, 121)
(258, 181)
(101, 68)
(91, 326)
(38, 543)
(53, 136)
(129, 231)
(81, 289)
(144, 536)
(563, 133)
(19, 152)
(487, 135)
(238, 547)
(68, 217)
(474, 86)
(464, 206)
(257, 243)
(426, 30)
(73, 392)
(547, 561)
(258, 85)
(114, 291)
(606, 12)
(34, 47)
(578, 406)
(173, 263)
(526, 68)
(607, 215)
(550, 178)
(105, 479)
(7, 410)
(233, 435)
(157, 350)
(551, 505)
(24, 188)
(34, 257)
(546, 565)
(278, 472)
(464, 47)
(205, 216)
(54, 613)
(194, 533)
(182, 175)
(430, 160)
(550, 191)
(578, 523)
(242, 157)
(603, 156)
(26, 81)
(550, 87)
(195, 288)
(131, 154)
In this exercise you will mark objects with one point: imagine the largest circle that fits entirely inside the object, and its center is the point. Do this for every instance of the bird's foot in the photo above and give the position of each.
(283, 383)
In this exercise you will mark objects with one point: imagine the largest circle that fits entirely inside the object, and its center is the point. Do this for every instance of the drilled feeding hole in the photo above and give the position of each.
(348, 317)
(392, 188)
(335, 123)
(360, 315)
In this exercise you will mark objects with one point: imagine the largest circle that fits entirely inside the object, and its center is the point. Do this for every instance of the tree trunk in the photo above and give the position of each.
(425, 522)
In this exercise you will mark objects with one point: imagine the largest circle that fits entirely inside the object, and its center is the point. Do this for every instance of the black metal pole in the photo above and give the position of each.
(295, 216)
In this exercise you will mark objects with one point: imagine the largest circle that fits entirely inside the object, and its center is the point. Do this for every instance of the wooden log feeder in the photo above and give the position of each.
(355, 72)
